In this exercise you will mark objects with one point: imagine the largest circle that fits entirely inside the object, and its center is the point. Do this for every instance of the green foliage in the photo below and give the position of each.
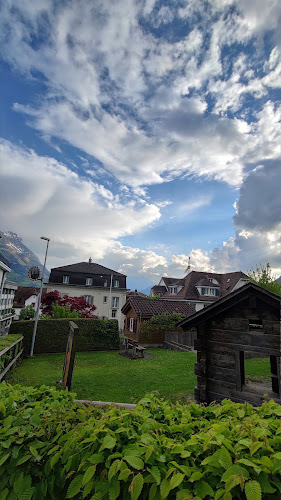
(26, 313)
(51, 335)
(263, 277)
(154, 297)
(52, 448)
(162, 323)
(8, 340)
(64, 312)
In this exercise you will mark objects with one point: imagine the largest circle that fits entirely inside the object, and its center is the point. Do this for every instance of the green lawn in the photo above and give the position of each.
(107, 376)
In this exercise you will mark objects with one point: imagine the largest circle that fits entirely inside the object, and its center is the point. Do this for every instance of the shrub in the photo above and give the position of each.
(27, 313)
(51, 334)
(53, 448)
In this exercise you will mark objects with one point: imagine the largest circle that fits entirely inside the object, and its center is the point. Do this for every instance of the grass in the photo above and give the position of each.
(107, 376)
(257, 369)
(8, 340)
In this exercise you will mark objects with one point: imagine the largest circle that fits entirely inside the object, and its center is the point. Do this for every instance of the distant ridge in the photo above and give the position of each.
(21, 258)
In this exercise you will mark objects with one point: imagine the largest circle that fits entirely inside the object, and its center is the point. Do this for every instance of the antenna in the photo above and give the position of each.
(188, 267)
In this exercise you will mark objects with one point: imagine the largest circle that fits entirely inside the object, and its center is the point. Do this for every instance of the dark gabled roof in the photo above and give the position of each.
(173, 281)
(23, 293)
(87, 268)
(156, 289)
(151, 307)
(206, 282)
(225, 303)
(135, 293)
(189, 291)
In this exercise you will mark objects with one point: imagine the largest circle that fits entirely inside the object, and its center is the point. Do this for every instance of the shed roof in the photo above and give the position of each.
(151, 307)
(225, 303)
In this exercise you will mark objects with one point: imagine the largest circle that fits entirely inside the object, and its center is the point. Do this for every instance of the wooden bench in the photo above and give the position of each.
(133, 344)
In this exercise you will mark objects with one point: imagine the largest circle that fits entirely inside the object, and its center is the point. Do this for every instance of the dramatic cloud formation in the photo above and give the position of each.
(122, 99)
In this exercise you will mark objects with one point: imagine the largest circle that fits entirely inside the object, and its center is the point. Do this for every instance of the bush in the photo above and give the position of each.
(53, 448)
(27, 313)
(51, 334)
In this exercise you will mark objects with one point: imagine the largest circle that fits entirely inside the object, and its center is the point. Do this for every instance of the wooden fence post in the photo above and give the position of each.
(69, 355)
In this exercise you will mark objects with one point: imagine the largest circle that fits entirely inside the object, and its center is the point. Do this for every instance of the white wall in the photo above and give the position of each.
(98, 294)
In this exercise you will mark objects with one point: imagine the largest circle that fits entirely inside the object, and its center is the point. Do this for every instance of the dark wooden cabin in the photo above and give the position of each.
(245, 323)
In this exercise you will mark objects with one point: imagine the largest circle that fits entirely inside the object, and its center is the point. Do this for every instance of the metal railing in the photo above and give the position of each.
(9, 356)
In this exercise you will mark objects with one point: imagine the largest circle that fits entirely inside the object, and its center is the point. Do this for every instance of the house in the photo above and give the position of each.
(199, 288)
(135, 293)
(100, 286)
(244, 323)
(138, 309)
(7, 292)
(26, 296)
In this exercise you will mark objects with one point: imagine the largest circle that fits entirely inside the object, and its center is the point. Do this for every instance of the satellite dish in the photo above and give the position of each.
(34, 273)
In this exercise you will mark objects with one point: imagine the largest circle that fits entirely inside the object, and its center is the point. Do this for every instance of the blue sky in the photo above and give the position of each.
(143, 132)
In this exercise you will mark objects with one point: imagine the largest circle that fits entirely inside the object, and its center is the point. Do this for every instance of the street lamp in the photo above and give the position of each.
(39, 297)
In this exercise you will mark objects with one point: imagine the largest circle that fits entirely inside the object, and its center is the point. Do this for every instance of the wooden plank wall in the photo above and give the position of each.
(221, 344)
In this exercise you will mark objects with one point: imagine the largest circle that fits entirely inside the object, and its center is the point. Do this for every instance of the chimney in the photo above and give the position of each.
(90, 260)
(136, 290)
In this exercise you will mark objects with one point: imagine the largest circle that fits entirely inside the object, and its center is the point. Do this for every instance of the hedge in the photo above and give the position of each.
(53, 448)
(93, 334)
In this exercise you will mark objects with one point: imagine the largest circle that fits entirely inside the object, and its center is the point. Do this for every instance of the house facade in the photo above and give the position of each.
(26, 296)
(199, 288)
(138, 309)
(7, 292)
(100, 286)
(245, 323)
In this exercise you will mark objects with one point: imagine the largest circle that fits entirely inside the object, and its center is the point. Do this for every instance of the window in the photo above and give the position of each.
(115, 302)
(65, 279)
(173, 290)
(210, 291)
(105, 283)
(116, 284)
(88, 299)
(105, 300)
(89, 281)
(113, 313)
(131, 324)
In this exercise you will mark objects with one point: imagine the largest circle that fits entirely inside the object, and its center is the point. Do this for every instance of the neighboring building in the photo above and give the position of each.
(135, 293)
(138, 309)
(100, 286)
(7, 292)
(245, 323)
(26, 296)
(199, 288)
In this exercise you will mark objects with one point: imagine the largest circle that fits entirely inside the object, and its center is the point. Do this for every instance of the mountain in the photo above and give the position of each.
(21, 259)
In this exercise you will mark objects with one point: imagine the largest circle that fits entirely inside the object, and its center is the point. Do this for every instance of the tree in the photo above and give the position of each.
(78, 304)
(27, 313)
(154, 297)
(263, 277)
(163, 322)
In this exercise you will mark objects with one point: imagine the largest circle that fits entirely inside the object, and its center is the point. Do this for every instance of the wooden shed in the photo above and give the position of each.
(245, 323)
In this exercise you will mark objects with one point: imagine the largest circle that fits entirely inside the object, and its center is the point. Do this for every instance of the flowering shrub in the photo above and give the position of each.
(52, 299)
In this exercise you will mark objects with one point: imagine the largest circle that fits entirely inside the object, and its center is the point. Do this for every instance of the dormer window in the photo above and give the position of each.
(116, 284)
(65, 279)
(214, 292)
(105, 283)
(173, 290)
(89, 281)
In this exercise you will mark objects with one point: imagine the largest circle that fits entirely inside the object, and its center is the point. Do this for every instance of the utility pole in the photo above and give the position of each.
(39, 298)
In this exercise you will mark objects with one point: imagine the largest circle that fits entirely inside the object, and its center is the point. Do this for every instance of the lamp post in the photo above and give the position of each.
(39, 298)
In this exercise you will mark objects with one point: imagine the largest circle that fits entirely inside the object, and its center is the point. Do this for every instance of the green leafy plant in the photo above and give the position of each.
(161, 323)
(27, 313)
(53, 448)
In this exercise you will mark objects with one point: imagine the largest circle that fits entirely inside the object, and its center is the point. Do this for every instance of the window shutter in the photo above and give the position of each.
(217, 292)
(202, 291)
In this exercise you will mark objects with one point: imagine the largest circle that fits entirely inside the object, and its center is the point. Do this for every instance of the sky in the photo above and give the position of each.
(139, 133)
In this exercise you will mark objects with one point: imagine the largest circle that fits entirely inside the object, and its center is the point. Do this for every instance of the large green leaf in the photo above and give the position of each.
(114, 489)
(74, 487)
(253, 490)
(88, 474)
(135, 487)
(135, 462)
(176, 480)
